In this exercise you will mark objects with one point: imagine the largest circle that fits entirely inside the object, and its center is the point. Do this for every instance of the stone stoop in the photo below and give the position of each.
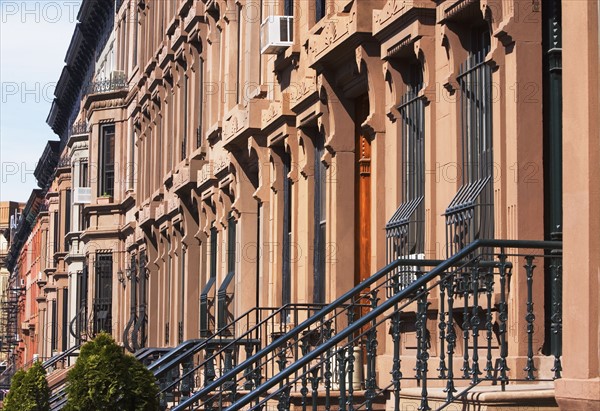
(57, 379)
(516, 397)
(379, 402)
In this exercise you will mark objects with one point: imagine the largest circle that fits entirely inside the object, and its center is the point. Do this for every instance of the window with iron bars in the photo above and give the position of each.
(103, 293)
(470, 214)
(405, 231)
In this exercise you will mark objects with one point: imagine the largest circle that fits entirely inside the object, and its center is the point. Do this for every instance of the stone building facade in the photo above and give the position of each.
(206, 171)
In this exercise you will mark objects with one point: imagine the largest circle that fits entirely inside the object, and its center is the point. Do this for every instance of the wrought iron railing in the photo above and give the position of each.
(470, 215)
(471, 304)
(404, 233)
(80, 127)
(64, 162)
(102, 315)
(180, 371)
(115, 83)
(206, 304)
(63, 358)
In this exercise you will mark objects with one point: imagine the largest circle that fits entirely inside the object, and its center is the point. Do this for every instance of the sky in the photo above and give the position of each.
(34, 37)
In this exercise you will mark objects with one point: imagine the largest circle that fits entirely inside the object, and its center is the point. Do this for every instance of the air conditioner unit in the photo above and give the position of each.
(276, 34)
(22, 282)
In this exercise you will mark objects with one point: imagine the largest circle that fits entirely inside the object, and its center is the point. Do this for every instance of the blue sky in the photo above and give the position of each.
(34, 37)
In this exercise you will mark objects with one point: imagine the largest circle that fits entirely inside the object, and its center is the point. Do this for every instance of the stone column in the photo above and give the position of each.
(579, 389)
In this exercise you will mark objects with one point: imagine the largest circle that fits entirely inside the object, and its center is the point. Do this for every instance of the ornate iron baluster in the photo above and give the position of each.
(489, 289)
(465, 325)
(450, 339)
(304, 389)
(371, 382)
(396, 372)
(556, 313)
(350, 356)
(425, 345)
(284, 398)
(341, 358)
(314, 384)
(475, 321)
(326, 336)
(442, 329)
(248, 373)
(503, 317)
(530, 317)
(304, 346)
(186, 382)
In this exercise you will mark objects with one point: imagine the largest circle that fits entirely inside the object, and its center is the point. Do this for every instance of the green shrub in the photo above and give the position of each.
(105, 378)
(28, 390)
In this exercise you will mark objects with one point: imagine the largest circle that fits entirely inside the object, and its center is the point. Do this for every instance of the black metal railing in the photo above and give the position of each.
(181, 370)
(63, 358)
(470, 215)
(64, 162)
(115, 83)
(471, 295)
(102, 315)
(403, 234)
(80, 127)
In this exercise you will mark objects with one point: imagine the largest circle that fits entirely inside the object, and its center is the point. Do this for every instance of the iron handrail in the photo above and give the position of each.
(175, 356)
(413, 291)
(242, 338)
(357, 325)
(68, 353)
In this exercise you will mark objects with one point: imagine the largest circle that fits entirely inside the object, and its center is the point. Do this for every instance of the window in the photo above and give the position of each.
(225, 316)
(288, 8)
(320, 194)
(83, 174)
(54, 335)
(238, 76)
(475, 80)
(56, 232)
(470, 215)
(65, 317)
(135, 37)
(412, 115)
(103, 293)
(287, 231)
(213, 252)
(68, 204)
(319, 9)
(140, 326)
(107, 161)
(132, 162)
(168, 293)
(82, 302)
(181, 294)
(200, 102)
(185, 118)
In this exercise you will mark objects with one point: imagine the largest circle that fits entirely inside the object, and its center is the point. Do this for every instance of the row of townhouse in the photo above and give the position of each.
(219, 158)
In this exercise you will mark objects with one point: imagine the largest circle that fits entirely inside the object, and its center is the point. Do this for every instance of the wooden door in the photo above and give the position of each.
(363, 195)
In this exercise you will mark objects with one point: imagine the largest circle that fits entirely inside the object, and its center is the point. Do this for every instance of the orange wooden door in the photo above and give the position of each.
(363, 195)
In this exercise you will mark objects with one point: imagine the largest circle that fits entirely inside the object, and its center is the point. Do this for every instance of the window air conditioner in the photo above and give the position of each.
(276, 34)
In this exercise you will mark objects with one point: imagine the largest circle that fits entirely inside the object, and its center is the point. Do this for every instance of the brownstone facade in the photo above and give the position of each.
(200, 177)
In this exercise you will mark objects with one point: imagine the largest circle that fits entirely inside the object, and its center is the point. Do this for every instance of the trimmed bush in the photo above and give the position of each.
(28, 390)
(105, 378)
